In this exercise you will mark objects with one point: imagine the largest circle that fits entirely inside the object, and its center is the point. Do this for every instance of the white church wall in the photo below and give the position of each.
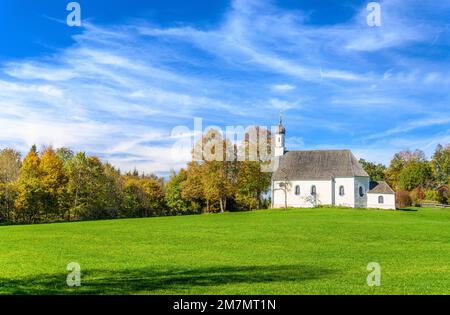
(323, 197)
(361, 201)
(388, 201)
(348, 199)
(279, 145)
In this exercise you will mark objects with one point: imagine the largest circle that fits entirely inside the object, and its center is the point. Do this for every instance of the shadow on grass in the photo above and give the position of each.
(407, 209)
(148, 280)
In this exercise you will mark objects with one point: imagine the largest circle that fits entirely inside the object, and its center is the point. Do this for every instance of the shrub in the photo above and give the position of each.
(417, 195)
(432, 195)
(403, 199)
(444, 197)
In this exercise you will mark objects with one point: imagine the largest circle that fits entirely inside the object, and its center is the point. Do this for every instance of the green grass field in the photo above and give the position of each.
(304, 251)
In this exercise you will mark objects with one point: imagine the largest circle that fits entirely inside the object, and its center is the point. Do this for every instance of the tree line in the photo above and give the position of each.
(414, 177)
(52, 185)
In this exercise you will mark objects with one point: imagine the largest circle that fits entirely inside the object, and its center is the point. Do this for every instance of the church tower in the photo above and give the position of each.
(280, 139)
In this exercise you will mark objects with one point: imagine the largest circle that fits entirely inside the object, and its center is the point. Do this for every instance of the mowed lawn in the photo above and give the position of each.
(299, 251)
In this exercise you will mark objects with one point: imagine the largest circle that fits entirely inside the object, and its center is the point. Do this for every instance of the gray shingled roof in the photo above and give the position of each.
(318, 164)
(380, 187)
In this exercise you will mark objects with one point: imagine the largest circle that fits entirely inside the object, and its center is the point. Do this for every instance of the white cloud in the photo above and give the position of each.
(281, 104)
(29, 71)
(405, 127)
(118, 91)
(282, 87)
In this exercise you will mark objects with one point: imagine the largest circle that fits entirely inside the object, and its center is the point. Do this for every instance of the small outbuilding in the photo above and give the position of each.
(380, 195)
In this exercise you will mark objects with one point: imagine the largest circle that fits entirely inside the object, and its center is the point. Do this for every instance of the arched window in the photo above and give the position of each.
(380, 199)
(341, 191)
(361, 191)
(313, 190)
(297, 190)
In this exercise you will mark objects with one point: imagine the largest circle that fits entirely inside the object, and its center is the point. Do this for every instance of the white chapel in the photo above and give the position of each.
(324, 177)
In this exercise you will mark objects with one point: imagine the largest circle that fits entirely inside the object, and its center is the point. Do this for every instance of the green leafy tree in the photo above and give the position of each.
(29, 194)
(192, 186)
(218, 176)
(143, 197)
(415, 174)
(154, 203)
(10, 164)
(212, 179)
(174, 195)
(65, 154)
(113, 190)
(375, 171)
(440, 164)
(93, 191)
(399, 162)
(53, 182)
(251, 184)
(133, 198)
(217, 186)
(77, 170)
(252, 181)
(86, 188)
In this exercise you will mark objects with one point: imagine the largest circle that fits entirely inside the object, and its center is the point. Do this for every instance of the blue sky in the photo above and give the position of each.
(120, 83)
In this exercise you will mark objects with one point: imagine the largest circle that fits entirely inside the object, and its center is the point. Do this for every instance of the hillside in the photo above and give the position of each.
(300, 251)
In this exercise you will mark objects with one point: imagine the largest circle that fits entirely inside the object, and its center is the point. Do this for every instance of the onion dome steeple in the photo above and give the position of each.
(281, 129)
(280, 138)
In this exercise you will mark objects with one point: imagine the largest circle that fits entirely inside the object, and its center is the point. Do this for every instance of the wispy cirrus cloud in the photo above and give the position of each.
(120, 89)
(282, 88)
(407, 126)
